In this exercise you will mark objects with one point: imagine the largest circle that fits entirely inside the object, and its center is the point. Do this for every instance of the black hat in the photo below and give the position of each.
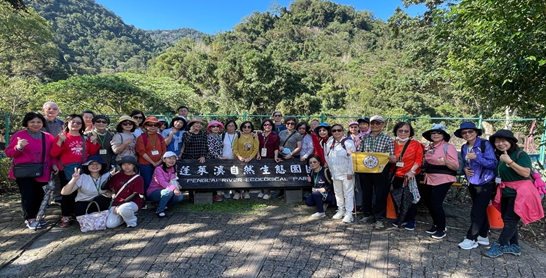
(85, 166)
(101, 117)
(128, 159)
(467, 125)
(179, 119)
(503, 133)
(363, 120)
(437, 127)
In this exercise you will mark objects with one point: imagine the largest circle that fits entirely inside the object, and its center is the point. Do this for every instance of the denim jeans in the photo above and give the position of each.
(479, 223)
(509, 234)
(164, 197)
(146, 172)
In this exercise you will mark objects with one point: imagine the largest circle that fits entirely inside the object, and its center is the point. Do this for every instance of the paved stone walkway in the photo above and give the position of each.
(279, 240)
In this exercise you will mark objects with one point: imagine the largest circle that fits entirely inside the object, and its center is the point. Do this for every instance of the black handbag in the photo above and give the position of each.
(31, 170)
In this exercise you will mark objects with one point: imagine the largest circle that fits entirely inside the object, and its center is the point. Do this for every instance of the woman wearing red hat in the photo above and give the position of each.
(150, 148)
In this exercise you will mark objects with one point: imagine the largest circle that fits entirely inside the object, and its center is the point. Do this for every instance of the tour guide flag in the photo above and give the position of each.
(369, 162)
(223, 173)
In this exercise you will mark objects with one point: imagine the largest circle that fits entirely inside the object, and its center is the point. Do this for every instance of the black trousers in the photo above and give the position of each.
(32, 195)
(509, 234)
(436, 195)
(479, 223)
(67, 202)
(81, 206)
(377, 184)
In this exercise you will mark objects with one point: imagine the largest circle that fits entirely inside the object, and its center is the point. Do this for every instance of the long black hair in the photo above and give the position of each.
(70, 118)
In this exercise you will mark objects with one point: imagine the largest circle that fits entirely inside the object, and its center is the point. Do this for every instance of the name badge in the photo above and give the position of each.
(155, 152)
(102, 151)
(399, 164)
(264, 152)
(498, 180)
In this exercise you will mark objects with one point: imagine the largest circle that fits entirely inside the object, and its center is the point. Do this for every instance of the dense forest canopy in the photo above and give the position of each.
(460, 59)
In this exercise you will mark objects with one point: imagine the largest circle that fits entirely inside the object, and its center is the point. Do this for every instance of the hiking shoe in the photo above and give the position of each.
(379, 225)
(227, 196)
(494, 251)
(511, 249)
(33, 225)
(410, 226)
(483, 240)
(260, 195)
(246, 195)
(42, 222)
(280, 195)
(339, 214)
(348, 218)
(433, 230)
(318, 215)
(325, 206)
(217, 198)
(266, 197)
(236, 196)
(161, 214)
(395, 224)
(367, 219)
(438, 235)
(468, 244)
(65, 222)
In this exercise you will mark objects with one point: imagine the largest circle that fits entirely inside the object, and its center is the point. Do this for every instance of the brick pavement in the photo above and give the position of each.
(279, 240)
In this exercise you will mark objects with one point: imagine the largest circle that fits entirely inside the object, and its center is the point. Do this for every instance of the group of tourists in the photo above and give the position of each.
(136, 165)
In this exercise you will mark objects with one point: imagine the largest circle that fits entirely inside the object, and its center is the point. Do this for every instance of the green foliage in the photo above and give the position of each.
(172, 36)
(5, 182)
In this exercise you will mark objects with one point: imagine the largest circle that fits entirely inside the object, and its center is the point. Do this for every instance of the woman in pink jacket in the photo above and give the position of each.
(164, 187)
(32, 146)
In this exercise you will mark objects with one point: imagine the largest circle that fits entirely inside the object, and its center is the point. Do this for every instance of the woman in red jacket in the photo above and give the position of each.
(71, 148)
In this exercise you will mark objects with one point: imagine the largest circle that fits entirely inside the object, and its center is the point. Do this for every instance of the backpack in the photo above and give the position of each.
(342, 142)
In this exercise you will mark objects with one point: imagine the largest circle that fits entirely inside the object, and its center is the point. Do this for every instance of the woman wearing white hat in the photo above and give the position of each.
(164, 187)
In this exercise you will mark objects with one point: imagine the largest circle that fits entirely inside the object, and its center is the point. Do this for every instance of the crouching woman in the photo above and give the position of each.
(164, 188)
(127, 186)
(321, 180)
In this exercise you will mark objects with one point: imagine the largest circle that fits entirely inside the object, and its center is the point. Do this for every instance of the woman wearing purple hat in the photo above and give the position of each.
(479, 166)
(441, 164)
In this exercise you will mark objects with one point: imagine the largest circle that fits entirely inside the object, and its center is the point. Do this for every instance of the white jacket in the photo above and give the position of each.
(339, 161)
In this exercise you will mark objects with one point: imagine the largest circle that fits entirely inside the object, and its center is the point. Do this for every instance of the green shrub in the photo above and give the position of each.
(6, 184)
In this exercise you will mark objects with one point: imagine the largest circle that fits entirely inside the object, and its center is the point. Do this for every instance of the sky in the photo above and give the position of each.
(211, 16)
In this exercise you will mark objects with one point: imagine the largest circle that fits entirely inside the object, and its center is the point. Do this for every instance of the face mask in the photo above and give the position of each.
(403, 140)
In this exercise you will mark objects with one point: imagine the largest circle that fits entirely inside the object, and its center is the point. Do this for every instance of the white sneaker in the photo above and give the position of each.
(246, 195)
(260, 195)
(266, 197)
(236, 196)
(339, 214)
(483, 240)
(318, 215)
(468, 244)
(348, 218)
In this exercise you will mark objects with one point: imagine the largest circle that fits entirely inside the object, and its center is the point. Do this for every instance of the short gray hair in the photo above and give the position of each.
(49, 103)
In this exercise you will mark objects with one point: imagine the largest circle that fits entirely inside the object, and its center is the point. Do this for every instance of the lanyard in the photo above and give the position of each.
(316, 176)
(97, 183)
(153, 140)
(230, 138)
(372, 142)
(265, 139)
(101, 140)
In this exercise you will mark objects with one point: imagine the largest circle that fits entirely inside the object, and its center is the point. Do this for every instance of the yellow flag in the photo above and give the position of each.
(369, 162)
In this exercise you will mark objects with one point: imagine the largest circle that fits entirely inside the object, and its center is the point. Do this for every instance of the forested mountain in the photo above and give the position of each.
(94, 40)
(173, 36)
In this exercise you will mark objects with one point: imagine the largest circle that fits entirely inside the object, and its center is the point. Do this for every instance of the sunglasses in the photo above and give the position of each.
(403, 131)
(127, 123)
(137, 117)
(290, 123)
(313, 162)
(101, 122)
(435, 132)
(152, 125)
(214, 126)
(246, 126)
(267, 124)
(467, 132)
(376, 123)
(337, 130)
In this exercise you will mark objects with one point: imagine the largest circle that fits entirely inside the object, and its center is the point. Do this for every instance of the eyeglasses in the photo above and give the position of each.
(403, 131)
(76, 123)
(246, 126)
(337, 130)
(127, 123)
(467, 132)
(101, 122)
(435, 132)
(277, 115)
(137, 117)
(267, 124)
(290, 123)
(152, 125)
(376, 123)
(313, 162)
(214, 126)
